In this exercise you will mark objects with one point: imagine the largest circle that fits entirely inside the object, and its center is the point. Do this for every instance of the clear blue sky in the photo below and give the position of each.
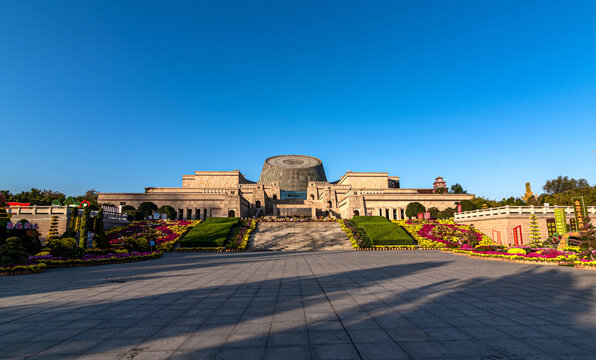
(119, 95)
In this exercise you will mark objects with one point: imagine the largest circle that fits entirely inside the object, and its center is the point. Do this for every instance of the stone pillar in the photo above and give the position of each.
(391, 214)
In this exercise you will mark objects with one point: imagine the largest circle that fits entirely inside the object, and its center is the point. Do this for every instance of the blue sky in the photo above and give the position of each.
(118, 95)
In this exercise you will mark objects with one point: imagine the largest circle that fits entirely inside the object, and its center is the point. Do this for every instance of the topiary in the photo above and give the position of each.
(100, 235)
(434, 212)
(447, 213)
(84, 227)
(13, 252)
(31, 243)
(65, 248)
(139, 244)
(147, 208)
(414, 208)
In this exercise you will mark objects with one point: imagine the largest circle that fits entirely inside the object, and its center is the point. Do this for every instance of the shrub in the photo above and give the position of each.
(139, 244)
(446, 214)
(212, 232)
(31, 244)
(414, 208)
(169, 211)
(13, 252)
(65, 248)
(434, 212)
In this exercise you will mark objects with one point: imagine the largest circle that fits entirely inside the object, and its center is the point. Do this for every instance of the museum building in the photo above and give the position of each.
(289, 185)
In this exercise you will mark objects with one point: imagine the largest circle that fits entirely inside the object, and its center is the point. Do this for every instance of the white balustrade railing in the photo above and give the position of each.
(517, 210)
(59, 210)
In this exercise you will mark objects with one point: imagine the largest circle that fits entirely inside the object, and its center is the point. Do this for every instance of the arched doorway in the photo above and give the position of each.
(329, 204)
(231, 213)
(258, 204)
(274, 197)
(356, 212)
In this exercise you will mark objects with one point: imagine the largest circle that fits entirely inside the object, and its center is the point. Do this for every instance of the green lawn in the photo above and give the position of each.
(383, 232)
(212, 232)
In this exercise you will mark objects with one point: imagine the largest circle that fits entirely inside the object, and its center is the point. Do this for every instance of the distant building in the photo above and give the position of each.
(289, 185)
(439, 186)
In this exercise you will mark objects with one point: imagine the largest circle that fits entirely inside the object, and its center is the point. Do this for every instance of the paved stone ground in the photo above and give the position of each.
(322, 305)
(299, 236)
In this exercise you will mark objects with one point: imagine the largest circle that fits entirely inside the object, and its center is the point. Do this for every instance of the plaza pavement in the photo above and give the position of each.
(321, 305)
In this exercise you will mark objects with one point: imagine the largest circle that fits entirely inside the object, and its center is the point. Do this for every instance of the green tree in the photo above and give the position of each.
(434, 212)
(147, 208)
(467, 205)
(168, 210)
(414, 208)
(13, 252)
(564, 183)
(90, 195)
(447, 213)
(457, 189)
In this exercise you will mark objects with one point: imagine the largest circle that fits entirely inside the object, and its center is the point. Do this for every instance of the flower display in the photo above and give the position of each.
(165, 233)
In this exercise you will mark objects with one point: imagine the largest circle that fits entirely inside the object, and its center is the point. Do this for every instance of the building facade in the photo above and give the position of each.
(289, 185)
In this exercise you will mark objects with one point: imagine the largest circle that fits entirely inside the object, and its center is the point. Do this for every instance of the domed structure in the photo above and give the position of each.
(293, 172)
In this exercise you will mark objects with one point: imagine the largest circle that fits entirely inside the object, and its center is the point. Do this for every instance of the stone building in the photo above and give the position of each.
(289, 185)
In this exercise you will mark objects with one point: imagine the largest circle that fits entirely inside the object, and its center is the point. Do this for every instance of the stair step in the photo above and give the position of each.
(306, 236)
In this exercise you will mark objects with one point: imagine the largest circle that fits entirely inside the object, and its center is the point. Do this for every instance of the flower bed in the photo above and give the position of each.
(165, 233)
(22, 269)
(585, 264)
(438, 234)
(390, 247)
(92, 260)
(357, 236)
(296, 219)
(200, 249)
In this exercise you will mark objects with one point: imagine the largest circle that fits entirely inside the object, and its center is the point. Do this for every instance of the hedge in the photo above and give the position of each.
(212, 232)
(382, 232)
(22, 269)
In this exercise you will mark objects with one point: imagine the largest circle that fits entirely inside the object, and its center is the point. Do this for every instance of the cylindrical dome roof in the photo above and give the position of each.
(293, 172)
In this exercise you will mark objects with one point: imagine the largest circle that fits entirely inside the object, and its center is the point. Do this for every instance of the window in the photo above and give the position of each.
(122, 203)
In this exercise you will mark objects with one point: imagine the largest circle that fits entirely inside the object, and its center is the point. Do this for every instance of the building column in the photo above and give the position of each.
(391, 214)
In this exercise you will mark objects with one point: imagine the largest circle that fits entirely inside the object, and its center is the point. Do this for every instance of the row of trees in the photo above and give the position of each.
(414, 208)
(559, 191)
(147, 208)
(45, 197)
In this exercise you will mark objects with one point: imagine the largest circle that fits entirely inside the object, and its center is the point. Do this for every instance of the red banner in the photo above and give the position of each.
(420, 216)
(427, 215)
(459, 208)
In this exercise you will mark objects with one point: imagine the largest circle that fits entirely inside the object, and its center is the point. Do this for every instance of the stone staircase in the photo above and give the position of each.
(297, 236)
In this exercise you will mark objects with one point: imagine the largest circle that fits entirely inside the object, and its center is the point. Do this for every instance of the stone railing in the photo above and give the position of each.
(60, 210)
(272, 183)
(517, 210)
(37, 210)
(248, 186)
